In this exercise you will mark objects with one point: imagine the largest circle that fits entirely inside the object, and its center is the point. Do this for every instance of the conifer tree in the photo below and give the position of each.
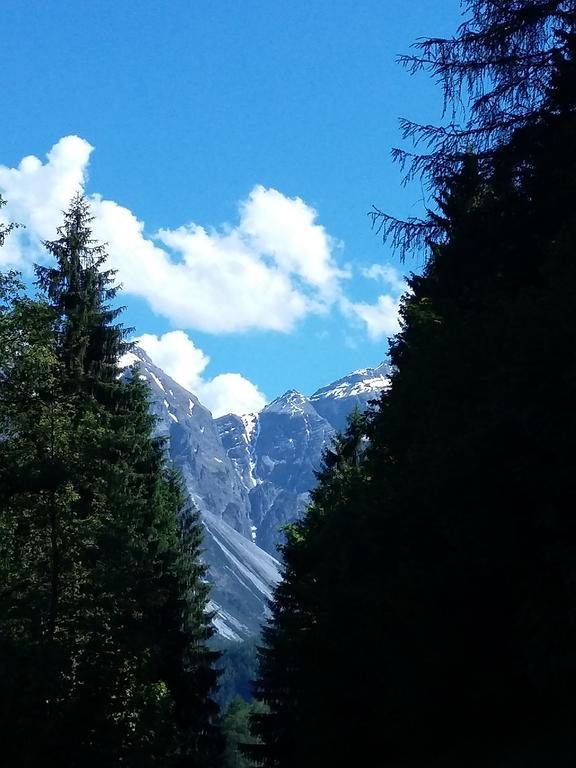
(437, 597)
(80, 291)
(301, 660)
(495, 74)
(30, 425)
(106, 623)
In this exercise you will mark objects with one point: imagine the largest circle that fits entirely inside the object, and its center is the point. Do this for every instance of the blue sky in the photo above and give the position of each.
(231, 150)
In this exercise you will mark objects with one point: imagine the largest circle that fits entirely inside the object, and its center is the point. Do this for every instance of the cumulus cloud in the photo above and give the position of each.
(380, 319)
(231, 393)
(386, 274)
(37, 193)
(286, 230)
(220, 285)
(270, 270)
(177, 354)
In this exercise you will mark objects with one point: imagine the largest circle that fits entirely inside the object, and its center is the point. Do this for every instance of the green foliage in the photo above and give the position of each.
(79, 290)
(238, 667)
(236, 732)
(103, 624)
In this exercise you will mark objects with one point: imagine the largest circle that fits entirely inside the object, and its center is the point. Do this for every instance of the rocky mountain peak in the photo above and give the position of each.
(355, 390)
(250, 475)
(291, 403)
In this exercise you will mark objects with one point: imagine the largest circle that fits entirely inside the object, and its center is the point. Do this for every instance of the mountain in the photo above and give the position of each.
(278, 450)
(249, 475)
(356, 390)
(242, 575)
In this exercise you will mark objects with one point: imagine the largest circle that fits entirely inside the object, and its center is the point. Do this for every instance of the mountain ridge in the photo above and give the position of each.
(248, 476)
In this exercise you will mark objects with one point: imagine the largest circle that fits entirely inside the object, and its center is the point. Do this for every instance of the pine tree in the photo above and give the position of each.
(302, 653)
(236, 731)
(428, 615)
(495, 74)
(109, 636)
(80, 290)
(31, 424)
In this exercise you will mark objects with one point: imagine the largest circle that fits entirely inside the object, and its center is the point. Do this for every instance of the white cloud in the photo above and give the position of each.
(268, 272)
(219, 284)
(11, 252)
(177, 354)
(286, 230)
(380, 319)
(231, 393)
(36, 195)
(387, 274)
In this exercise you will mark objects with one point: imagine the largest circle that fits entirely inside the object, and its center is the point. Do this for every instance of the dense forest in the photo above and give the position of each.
(427, 612)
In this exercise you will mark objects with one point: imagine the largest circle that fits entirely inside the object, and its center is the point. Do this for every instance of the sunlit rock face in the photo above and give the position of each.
(278, 451)
(282, 449)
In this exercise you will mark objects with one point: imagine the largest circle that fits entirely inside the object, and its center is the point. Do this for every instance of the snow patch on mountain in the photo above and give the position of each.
(337, 400)
(127, 360)
(250, 421)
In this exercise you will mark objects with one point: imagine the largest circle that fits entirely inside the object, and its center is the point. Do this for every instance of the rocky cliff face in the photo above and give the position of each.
(242, 575)
(250, 475)
(279, 450)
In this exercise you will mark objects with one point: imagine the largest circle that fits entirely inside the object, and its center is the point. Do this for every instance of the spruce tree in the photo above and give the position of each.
(107, 641)
(31, 425)
(302, 659)
(436, 598)
(80, 290)
(495, 74)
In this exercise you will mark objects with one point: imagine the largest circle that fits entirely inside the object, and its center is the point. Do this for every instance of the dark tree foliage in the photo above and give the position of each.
(5, 229)
(295, 682)
(495, 74)
(80, 290)
(236, 732)
(238, 667)
(103, 624)
(427, 612)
